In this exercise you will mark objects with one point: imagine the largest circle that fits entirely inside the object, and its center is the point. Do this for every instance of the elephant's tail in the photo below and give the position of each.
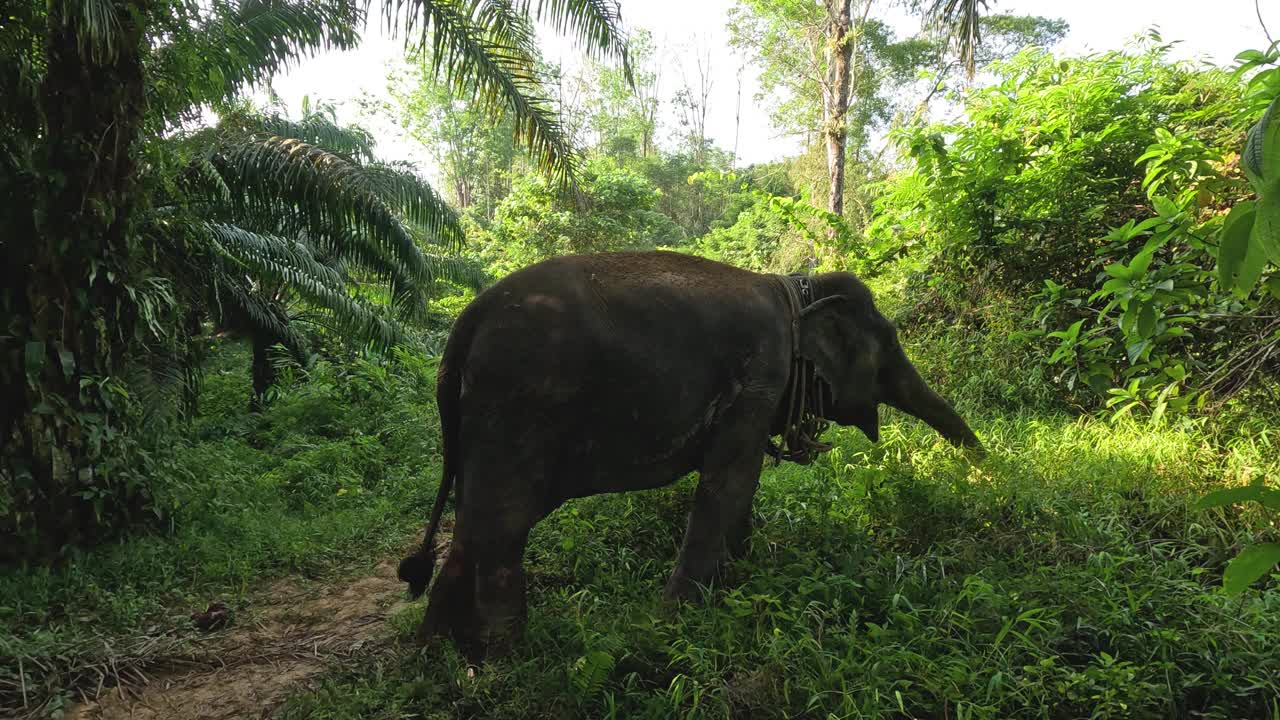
(418, 568)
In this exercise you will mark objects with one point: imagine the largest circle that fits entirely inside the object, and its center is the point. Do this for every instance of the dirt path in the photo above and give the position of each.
(249, 668)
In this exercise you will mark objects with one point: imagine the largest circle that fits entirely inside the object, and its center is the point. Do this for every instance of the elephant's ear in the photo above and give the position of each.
(845, 356)
(824, 341)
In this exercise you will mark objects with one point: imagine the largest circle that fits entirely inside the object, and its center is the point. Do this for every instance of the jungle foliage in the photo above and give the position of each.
(132, 231)
(1115, 193)
(219, 319)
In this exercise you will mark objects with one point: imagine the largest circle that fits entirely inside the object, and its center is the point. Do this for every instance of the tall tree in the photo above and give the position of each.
(693, 100)
(474, 154)
(831, 70)
(624, 114)
(835, 93)
(91, 88)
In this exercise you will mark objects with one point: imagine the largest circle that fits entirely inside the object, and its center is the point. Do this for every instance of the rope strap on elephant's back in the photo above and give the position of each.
(804, 395)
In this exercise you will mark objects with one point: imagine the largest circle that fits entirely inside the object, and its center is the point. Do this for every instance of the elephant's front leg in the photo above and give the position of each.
(720, 516)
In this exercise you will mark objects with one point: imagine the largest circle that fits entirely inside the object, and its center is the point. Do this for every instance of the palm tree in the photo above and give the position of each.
(959, 20)
(95, 91)
(275, 220)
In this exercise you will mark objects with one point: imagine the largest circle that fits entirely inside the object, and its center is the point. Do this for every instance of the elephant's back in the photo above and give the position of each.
(644, 344)
(647, 308)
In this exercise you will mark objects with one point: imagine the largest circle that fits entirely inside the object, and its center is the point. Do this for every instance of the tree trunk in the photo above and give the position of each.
(71, 322)
(192, 363)
(264, 373)
(836, 100)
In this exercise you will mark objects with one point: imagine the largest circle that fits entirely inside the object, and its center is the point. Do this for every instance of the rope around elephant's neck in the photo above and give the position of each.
(804, 395)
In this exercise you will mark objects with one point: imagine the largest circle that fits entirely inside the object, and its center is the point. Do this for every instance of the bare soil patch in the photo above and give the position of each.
(264, 654)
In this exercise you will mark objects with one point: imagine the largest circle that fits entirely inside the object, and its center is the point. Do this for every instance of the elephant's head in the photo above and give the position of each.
(856, 351)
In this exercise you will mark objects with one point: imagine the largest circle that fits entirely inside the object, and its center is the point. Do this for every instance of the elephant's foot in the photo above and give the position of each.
(738, 538)
(497, 639)
(501, 614)
(681, 588)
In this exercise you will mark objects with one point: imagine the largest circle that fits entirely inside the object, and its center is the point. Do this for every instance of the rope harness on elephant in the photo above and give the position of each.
(805, 392)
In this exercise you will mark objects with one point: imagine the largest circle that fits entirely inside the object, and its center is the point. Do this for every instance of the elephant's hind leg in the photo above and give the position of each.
(451, 604)
(501, 604)
(501, 585)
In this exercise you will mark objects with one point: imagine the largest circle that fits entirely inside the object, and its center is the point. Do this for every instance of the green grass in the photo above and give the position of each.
(1066, 577)
(338, 473)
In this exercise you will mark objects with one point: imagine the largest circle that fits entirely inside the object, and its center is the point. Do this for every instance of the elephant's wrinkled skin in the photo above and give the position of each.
(604, 373)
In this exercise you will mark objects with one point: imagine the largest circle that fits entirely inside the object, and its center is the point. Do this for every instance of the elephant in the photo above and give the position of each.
(613, 372)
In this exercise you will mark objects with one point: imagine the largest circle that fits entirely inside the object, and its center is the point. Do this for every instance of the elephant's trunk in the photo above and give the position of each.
(912, 395)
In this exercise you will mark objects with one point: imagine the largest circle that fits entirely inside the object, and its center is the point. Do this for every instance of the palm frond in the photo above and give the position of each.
(596, 23)
(359, 258)
(244, 42)
(235, 304)
(353, 143)
(96, 23)
(324, 193)
(960, 19)
(405, 191)
(292, 263)
(286, 260)
(499, 75)
(460, 271)
(202, 178)
(505, 24)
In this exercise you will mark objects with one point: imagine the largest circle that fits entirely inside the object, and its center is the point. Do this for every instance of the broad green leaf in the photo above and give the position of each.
(1138, 266)
(1248, 60)
(1120, 234)
(1156, 151)
(1118, 270)
(1146, 320)
(1149, 223)
(1270, 499)
(1114, 285)
(34, 357)
(1165, 207)
(1129, 319)
(1230, 496)
(1266, 226)
(1134, 351)
(1071, 333)
(1262, 148)
(1252, 563)
(1234, 246)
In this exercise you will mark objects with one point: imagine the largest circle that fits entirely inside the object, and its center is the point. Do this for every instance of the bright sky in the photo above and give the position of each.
(1215, 31)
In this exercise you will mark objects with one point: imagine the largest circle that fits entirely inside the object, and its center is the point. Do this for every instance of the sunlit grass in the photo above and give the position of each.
(1065, 576)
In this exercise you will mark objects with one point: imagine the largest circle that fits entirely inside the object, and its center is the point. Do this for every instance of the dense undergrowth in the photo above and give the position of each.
(1066, 576)
(338, 472)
